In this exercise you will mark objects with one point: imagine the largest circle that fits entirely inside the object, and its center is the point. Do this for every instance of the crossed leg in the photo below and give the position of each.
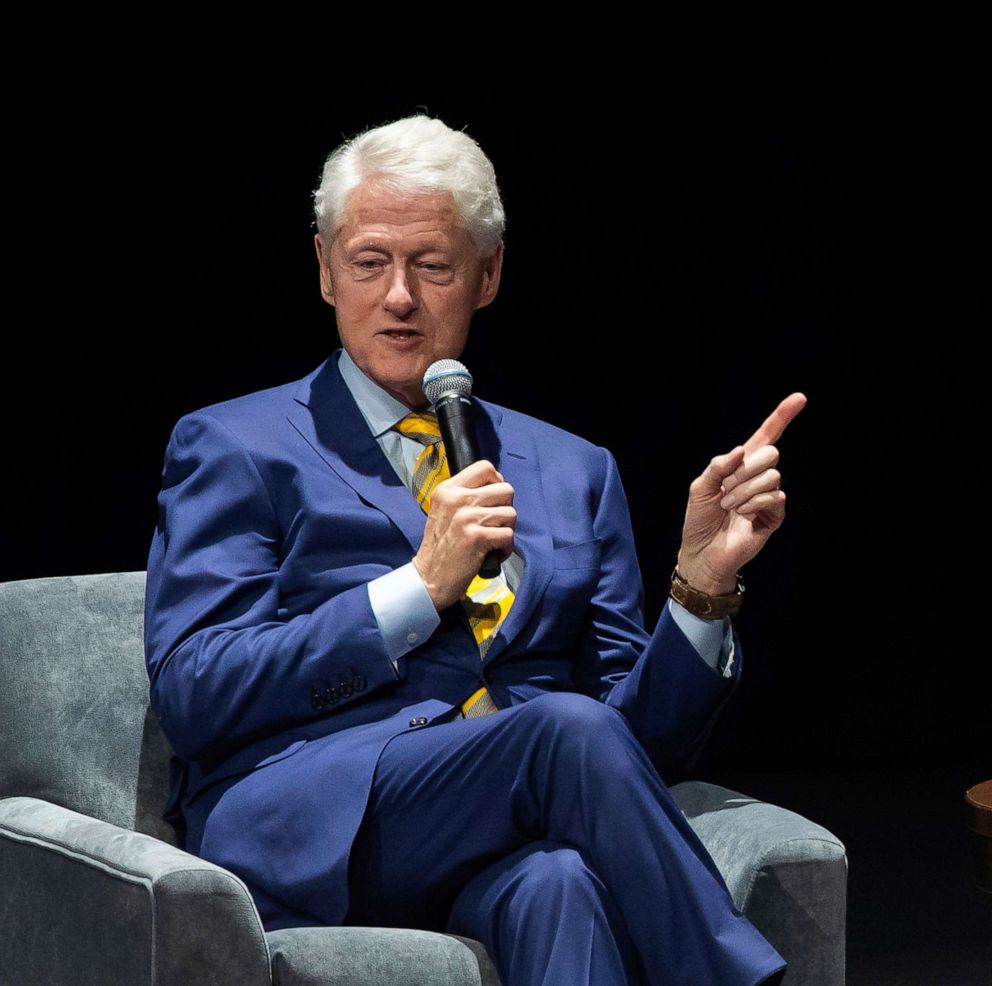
(448, 842)
(546, 916)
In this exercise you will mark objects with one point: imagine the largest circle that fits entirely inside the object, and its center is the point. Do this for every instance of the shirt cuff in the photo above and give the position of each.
(712, 639)
(403, 609)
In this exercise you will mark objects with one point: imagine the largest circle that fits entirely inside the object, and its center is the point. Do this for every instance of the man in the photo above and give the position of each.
(368, 733)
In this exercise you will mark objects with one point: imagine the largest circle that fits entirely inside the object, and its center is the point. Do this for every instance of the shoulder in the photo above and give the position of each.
(247, 406)
(248, 419)
(556, 447)
(544, 431)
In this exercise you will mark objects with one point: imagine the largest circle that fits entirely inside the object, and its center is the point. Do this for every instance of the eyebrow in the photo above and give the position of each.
(379, 247)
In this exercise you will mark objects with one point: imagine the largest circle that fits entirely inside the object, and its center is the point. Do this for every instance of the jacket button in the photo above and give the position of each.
(317, 702)
(345, 688)
(332, 696)
(419, 721)
(358, 683)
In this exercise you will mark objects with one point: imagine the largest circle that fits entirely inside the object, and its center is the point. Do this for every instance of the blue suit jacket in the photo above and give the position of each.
(268, 671)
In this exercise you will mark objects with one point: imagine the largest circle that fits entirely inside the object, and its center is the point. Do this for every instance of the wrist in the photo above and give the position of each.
(703, 581)
(709, 586)
(707, 605)
(433, 590)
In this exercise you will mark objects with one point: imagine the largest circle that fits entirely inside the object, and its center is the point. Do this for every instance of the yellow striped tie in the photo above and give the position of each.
(487, 601)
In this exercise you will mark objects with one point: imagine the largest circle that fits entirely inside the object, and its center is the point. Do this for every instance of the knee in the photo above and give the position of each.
(574, 713)
(571, 723)
(529, 887)
(553, 871)
(540, 872)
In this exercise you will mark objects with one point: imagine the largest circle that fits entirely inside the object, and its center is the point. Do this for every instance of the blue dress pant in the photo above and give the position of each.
(545, 832)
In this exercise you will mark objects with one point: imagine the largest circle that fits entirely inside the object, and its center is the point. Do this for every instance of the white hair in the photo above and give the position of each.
(415, 154)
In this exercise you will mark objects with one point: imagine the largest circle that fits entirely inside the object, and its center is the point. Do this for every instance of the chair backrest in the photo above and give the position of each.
(75, 725)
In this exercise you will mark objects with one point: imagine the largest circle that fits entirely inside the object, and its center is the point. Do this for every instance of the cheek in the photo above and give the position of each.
(453, 312)
(355, 306)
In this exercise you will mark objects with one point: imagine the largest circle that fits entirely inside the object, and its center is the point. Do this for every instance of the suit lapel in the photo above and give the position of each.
(326, 415)
(512, 450)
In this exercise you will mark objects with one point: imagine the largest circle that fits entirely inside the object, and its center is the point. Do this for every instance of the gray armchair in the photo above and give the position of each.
(93, 889)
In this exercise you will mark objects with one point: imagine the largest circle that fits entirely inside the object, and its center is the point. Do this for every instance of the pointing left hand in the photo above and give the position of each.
(735, 505)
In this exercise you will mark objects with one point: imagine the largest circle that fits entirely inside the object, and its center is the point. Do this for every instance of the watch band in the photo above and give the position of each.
(702, 604)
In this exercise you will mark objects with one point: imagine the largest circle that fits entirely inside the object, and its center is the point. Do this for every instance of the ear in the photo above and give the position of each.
(324, 260)
(492, 267)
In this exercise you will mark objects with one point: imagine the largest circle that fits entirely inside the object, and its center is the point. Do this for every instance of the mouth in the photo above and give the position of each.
(400, 333)
(402, 340)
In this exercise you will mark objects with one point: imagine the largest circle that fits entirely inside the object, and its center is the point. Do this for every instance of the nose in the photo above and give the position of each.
(399, 300)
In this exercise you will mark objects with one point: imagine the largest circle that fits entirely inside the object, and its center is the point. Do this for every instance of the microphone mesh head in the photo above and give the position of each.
(446, 376)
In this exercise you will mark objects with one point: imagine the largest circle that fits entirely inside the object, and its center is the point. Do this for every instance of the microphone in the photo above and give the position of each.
(448, 386)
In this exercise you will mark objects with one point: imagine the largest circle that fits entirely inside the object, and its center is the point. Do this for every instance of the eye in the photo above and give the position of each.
(435, 268)
(367, 264)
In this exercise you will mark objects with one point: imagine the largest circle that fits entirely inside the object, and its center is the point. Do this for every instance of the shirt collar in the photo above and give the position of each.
(379, 408)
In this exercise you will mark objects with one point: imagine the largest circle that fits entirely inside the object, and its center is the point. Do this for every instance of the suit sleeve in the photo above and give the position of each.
(670, 696)
(225, 667)
(711, 638)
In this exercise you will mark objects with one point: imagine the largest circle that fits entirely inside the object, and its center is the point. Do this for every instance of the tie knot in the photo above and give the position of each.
(420, 425)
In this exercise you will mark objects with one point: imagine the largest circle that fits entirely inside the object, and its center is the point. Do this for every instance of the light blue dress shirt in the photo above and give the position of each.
(402, 606)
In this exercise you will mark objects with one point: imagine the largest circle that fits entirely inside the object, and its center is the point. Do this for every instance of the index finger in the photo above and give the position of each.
(771, 429)
(479, 473)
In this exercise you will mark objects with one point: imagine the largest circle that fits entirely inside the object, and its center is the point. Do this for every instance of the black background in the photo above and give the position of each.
(695, 230)
(684, 248)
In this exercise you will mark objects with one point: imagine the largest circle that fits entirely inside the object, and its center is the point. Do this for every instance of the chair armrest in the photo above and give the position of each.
(787, 874)
(84, 901)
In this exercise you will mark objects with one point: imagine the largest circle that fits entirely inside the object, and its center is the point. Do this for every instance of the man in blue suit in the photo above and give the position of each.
(345, 741)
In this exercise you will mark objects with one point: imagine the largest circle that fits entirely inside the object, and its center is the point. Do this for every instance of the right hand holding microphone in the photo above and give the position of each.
(471, 514)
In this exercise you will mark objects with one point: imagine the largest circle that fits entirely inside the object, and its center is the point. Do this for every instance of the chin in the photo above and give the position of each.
(402, 375)
(410, 391)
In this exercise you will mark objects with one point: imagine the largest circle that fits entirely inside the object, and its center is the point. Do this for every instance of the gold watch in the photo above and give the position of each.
(702, 604)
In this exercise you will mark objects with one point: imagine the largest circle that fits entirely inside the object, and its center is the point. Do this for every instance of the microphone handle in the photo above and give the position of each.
(454, 418)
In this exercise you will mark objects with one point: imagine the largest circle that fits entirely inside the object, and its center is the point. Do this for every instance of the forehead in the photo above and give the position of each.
(372, 209)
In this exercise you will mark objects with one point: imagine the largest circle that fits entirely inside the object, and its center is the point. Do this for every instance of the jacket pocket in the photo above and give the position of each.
(282, 754)
(243, 762)
(582, 554)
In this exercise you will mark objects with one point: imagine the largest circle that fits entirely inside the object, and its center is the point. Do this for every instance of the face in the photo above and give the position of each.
(404, 277)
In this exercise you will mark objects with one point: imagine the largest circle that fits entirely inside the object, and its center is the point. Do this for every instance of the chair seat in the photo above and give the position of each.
(375, 956)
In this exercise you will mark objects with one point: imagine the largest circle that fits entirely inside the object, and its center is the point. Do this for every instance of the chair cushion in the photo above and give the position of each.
(373, 956)
(75, 725)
